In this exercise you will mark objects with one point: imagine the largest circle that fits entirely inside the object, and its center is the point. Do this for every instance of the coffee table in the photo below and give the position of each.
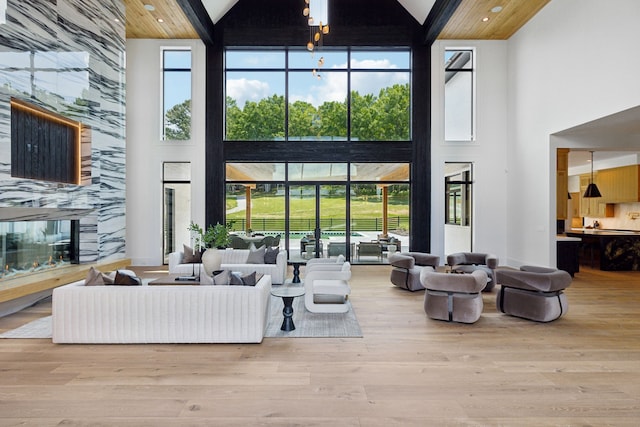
(287, 293)
(170, 279)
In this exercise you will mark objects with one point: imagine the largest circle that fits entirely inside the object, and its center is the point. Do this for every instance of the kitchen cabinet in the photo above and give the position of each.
(562, 182)
(593, 207)
(620, 185)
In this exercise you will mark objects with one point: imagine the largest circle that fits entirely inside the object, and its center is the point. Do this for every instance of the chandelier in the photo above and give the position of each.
(317, 14)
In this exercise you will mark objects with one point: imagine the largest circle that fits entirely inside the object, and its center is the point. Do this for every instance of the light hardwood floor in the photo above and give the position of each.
(407, 370)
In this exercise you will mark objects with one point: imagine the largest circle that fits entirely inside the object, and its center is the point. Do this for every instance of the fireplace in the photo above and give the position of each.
(33, 246)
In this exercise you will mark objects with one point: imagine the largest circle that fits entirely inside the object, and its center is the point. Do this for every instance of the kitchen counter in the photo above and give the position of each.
(611, 250)
(602, 232)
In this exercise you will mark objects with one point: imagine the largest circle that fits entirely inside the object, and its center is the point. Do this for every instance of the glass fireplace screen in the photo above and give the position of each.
(32, 246)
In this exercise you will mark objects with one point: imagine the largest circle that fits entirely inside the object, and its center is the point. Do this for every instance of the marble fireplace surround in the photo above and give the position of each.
(68, 57)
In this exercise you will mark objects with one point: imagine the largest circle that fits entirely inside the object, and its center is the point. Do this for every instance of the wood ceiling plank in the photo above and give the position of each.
(466, 23)
(142, 23)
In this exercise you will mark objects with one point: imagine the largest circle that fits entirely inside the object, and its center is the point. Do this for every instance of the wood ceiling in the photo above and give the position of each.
(143, 24)
(466, 23)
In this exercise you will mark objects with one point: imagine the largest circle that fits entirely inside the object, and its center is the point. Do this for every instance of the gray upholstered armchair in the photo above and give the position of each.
(453, 297)
(467, 262)
(407, 267)
(534, 293)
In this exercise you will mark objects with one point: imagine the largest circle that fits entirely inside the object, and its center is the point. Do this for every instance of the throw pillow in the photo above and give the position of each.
(256, 256)
(236, 279)
(122, 278)
(271, 255)
(204, 279)
(249, 279)
(191, 256)
(96, 278)
(221, 277)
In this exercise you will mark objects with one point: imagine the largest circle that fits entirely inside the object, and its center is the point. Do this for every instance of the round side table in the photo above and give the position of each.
(287, 293)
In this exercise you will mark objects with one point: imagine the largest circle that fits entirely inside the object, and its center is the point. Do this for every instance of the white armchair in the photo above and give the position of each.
(326, 264)
(327, 288)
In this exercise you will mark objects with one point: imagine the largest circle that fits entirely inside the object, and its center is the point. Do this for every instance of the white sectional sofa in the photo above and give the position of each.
(161, 314)
(234, 260)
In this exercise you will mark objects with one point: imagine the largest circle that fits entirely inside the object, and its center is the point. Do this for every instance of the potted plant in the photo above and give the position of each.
(214, 238)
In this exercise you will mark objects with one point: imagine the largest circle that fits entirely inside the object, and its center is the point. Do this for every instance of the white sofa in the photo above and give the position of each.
(161, 314)
(235, 260)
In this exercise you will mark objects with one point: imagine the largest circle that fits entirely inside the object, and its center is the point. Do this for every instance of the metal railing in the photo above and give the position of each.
(326, 224)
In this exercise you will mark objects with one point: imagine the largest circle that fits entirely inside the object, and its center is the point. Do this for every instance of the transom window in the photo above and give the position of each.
(331, 95)
(176, 94)
(459, 91)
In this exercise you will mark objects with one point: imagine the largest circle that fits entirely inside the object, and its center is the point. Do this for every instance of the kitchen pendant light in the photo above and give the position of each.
(592, 188)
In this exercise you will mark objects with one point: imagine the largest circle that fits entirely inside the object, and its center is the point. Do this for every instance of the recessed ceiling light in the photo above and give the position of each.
(160, 20)
(496, 9)
(150, 7)
(485, 19)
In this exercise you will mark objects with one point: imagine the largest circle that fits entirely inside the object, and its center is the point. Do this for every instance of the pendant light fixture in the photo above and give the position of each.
(592, 188)
(317, 14)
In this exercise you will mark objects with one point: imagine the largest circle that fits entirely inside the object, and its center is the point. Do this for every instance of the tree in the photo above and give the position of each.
(373, 118)
(178, 122)
(257, 121)
(333, 119)
(235, 120)
(301, 118)
(392, 109)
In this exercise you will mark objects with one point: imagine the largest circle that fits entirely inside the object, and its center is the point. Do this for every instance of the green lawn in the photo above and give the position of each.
(273, 207)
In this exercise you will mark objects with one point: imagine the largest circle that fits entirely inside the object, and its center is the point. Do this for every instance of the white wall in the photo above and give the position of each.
(487, 152)
(146, 151)
(574, 62)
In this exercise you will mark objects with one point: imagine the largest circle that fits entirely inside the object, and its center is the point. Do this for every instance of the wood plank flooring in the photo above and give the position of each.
(407, 370)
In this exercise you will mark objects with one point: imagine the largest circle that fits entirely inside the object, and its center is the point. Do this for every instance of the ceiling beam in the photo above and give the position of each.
(440, 14)
(199, 18)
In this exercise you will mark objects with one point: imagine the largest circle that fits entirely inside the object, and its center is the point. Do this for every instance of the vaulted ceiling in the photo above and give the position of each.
(473, 19)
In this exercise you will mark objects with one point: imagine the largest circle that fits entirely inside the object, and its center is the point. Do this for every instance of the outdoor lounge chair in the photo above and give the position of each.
(369, 249)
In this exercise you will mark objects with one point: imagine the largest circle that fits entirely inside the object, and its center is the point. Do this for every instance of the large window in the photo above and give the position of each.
(176, 72)
(344, 203)
(292, 95)
(459, 95)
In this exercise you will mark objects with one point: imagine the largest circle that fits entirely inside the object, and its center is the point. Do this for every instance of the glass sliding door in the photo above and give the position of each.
(302, 221)
(358, 210)
(379, 209)
(318, 220)
(176, 189)
(458, 182)
(332, 212)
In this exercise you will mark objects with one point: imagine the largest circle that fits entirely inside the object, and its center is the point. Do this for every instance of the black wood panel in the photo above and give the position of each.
(215, 175)
(42, 147)
(420, 217)
(352, 23)
(199, 18)
(438, 17)
(309, 151)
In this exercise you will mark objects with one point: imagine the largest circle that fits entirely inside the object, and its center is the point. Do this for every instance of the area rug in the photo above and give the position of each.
(312, 325)
(308, 325)
(39, 328)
